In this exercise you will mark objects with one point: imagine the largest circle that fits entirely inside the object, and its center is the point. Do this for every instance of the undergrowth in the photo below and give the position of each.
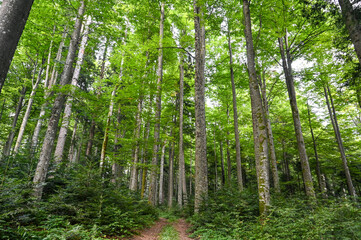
(231, 215)
(77, 204)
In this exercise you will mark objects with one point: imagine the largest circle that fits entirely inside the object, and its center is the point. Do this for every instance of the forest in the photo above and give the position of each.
(227, 119)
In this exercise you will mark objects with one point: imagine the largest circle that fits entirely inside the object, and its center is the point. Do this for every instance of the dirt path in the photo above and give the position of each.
(182, 226)
(153, 232)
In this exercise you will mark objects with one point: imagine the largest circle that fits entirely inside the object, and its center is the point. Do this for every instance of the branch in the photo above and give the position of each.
(181, 48)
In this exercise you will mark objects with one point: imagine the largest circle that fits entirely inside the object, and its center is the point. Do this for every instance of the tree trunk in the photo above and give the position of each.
(45, 155)
(222, 163)
(201, 179)
(9, 142)
(271, 146)
(258, 119)
(182, 188)
(13, 17)
(158, 111)
(106, 132)
(89, 144)
(72, 149)
(353, 25)
(235, 117)
(306, 172)
(27, 112)
(229, 165)
(318, 167)
(332, 112)
(171, 173)
(63, 132)
(161, 175)
(48, 84)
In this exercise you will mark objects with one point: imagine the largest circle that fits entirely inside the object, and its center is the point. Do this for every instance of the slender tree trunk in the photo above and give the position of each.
(89, 145)
(259, 124)
(271, 146)
(190, 173)
(146, 151)
(45, 155)
(13, 17)
(332, 112)
(71, 157)
(153, 174)
(215, 160)
(2, 109)
(161, 175)
(318, 167)
(182, 188)
(63, 132)
(9, 142)
(27, 112)
(229, 165)
(106, 132)
(235, 117)
(201, 179)
(222, 163)
(306, 171)
(171, 174)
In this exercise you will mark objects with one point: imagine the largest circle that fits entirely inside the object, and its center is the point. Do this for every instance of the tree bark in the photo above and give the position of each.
(13, 17)
(47, 85)
(306, 172)
(182, 188)
(9, 142)
(171, 173)
(271, 146)
(153, 174)
(235, 117)
(333, 117)
(229, 165)
(27, 112)
(72, 149)
(222, 163)
(45, 155)
(89, 144)
(161, 175)
(63, 132)
(201, 179)
(258, 119)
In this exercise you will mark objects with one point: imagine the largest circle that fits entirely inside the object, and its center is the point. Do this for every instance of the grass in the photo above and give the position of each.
(169, 233)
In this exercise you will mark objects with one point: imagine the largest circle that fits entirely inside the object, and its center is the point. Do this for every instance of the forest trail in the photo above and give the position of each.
(153, 233)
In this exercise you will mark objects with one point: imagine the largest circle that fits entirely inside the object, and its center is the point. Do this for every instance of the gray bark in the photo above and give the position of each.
(72, 149)
(161, 175)
(222, 162)
(258, 119)
(182, 188)
(63, 132)
(13, 17)
(45, 154)
(27, 112)
(235, 117)
(271, 146)
(9, 142)
(153, 174)
(171, 174)
(286, 63)
(332, 112)
(201, 179)
(229, 165)
(47, 85)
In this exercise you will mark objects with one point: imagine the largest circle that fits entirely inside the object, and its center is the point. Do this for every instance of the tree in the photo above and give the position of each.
(201, 181)
(13, 17)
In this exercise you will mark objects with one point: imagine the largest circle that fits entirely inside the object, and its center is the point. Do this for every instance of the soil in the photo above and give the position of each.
(153, 232)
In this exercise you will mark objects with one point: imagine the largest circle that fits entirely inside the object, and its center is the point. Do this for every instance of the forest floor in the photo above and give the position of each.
(155, 231)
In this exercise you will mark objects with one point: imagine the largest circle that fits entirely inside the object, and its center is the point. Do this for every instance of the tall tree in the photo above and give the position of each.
(13, 17)
(258, 119)
(201, 179)
(158, 111)
(45, 155)
(287, 68)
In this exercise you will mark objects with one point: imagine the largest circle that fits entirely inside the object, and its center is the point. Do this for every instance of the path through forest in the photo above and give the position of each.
(153, 233)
